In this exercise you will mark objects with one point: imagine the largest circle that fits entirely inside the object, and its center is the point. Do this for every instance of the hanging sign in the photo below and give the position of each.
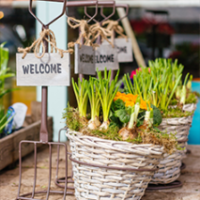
(84, 60)
(50, 70)
(124, 49)
(106, 57)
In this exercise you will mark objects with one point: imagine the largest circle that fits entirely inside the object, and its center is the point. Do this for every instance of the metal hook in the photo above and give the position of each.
(95, 14)
(109, 16)
(127, 9)
(46, 25)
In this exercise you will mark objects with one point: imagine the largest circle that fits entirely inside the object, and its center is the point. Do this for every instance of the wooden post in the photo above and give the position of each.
(129, 32)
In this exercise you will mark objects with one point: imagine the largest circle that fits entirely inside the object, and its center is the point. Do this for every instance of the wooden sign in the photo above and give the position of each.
(106, 57)
(84, 60)
(50, 70)
(124, 49)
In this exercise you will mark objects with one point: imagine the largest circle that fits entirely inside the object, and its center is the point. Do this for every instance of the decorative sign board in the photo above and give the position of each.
(106, 57)
(124, 49)
(84, 60)
(50, 70)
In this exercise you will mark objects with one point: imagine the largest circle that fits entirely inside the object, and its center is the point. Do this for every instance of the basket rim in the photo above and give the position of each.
(111, 144)
(177, 118)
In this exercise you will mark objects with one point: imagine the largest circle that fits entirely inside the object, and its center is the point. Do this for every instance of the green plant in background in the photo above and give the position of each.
(4, 74)
(158, 83)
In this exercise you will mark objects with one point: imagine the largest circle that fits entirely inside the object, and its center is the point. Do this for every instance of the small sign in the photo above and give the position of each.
(84, 60)
(106, 57)
(124, 49)
(50, 70)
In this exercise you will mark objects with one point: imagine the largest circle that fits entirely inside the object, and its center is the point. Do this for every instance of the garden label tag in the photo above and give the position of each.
(84, 60)
(124, 49)
(106, 57)
(50, 70)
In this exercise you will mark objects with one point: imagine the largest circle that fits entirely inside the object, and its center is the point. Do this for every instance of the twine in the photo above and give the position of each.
(114, 26)
(96, 30)
(83, 34)
(44, 34)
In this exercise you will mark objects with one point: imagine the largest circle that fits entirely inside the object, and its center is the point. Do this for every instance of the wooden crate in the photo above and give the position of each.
(9, 145)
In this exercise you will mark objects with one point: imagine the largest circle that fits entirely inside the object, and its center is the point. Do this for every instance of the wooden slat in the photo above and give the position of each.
(9, 145)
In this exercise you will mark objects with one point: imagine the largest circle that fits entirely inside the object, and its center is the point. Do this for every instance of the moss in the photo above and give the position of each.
(173, 102)
(145, 135)
(72, 118)
(175, 112)
(110, 134)
(137, 140)
(191, 98)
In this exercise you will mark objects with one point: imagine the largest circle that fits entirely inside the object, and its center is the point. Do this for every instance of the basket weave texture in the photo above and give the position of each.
(190, 107)
(169, 168)
(179, 126)
(92, 182)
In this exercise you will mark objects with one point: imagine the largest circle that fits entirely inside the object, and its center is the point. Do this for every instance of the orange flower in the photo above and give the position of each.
(129, 103)
(143, 104)
(130, 100)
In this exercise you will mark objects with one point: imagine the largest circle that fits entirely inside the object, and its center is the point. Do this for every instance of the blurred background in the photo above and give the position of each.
(168, 29)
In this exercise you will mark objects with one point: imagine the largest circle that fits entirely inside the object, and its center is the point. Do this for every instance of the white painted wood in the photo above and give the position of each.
(106, 57)
(124, 49)
(50, 70)
(130, 33)
(84, 60)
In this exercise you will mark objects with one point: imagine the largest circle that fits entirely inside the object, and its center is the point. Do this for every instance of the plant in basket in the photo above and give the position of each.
(160, 87)
(5, 118)
(115, 148)
(184, 98)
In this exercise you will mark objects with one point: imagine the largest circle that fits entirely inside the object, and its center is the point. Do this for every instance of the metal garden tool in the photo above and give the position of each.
(43, 136)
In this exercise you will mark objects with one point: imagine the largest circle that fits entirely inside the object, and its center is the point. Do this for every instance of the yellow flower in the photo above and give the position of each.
(143, 104)
(1, 14)
(130, 100)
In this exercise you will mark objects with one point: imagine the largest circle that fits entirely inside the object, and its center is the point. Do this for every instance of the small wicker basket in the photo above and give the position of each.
(190, 107)
(106, 169)
(169, 168)
(179, 126)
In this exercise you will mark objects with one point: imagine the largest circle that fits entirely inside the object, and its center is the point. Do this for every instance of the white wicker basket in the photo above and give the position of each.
(190, 107)
(187, 107)
(106, 169)
(169, 168)
(179, 126)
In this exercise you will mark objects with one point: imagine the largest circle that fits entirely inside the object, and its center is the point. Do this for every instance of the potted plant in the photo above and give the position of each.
(159, 84)
(114, 148)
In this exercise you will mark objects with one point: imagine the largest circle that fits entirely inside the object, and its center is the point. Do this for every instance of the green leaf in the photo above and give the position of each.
(122, 115)
(118, 104)
(157, 117)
